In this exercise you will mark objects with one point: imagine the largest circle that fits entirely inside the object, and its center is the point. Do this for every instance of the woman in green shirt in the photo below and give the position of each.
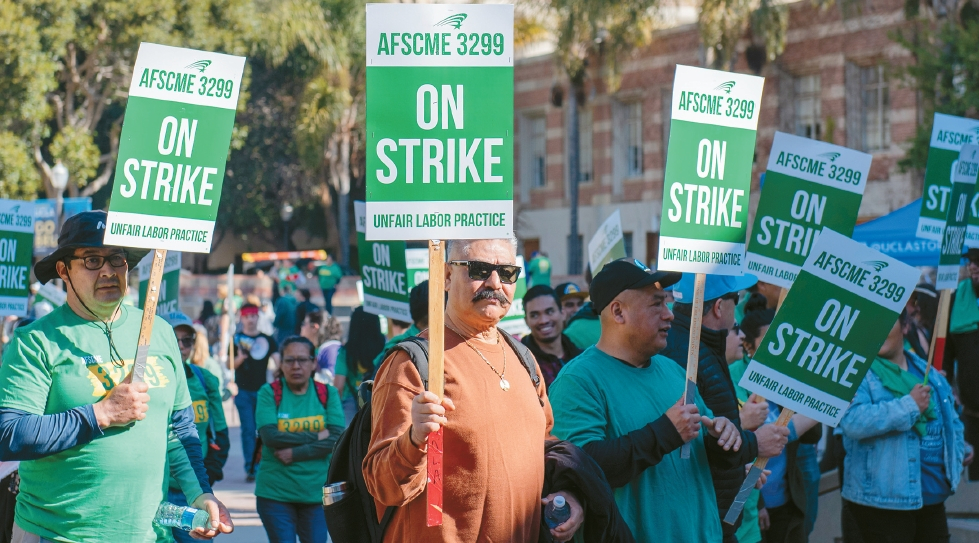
(299, 422)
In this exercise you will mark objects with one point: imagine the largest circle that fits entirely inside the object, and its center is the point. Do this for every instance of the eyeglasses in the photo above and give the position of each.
(298, 361)
(95, 262)
(187, 342)
(481, 271)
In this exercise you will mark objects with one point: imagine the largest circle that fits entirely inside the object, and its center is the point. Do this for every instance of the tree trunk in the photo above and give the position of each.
(326, 202)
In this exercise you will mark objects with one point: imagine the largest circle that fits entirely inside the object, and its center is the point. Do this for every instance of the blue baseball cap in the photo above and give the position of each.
(715, 286)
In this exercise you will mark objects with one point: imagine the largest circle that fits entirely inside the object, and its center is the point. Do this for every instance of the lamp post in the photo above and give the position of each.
(286, 214)
(59, 180)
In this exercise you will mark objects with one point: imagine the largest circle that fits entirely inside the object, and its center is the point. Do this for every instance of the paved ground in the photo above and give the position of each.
(239, 497)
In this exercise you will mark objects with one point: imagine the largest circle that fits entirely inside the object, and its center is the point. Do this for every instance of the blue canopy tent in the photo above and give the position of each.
(894, 235)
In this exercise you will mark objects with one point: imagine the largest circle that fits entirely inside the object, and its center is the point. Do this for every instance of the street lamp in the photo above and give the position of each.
(286, 214)
(59, 180)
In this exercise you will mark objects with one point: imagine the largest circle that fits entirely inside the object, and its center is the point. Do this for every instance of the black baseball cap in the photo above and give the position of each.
(626, 274)
(971, 253)
(81, 231)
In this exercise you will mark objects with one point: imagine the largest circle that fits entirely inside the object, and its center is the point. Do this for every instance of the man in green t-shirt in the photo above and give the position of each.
(538, 270)
(418, 307)
(621, 403)
(329, 275)
(93, 446)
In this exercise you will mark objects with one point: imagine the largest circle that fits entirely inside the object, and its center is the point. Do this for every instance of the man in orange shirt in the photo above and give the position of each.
(495, 420)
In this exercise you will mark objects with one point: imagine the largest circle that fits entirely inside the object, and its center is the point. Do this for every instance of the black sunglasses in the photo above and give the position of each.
(733, 296)
(187, 342)
(481, 271)
(95, 262)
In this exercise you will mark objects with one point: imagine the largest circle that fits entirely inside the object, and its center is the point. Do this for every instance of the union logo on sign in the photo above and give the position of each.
(455, 21)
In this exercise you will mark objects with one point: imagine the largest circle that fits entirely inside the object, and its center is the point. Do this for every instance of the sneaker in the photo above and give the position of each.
(250, 478)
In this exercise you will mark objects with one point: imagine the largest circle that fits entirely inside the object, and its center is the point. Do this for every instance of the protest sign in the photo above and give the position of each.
(383, 272)
(439, 121)
(416, 260)
(173, 148)
(809, 185)
(708, 171)
(948, 135)
(964, 173)
(52, 294)
(169, 300)
(828, 331)
(16, 252)
(513, 322)
(46, 221)
(607, 244)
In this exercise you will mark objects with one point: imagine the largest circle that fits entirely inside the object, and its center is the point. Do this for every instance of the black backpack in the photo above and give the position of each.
(353, 519)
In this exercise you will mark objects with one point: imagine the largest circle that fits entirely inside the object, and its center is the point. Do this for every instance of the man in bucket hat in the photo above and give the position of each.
(93, 446)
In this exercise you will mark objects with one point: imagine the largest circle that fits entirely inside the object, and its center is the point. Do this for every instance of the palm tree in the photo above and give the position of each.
(592, 36)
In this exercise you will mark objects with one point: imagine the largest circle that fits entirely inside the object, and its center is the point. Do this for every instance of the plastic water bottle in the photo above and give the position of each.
(557, 512)
(183, 517)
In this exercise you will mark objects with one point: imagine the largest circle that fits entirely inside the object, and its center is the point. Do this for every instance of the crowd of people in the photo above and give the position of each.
(588, 406)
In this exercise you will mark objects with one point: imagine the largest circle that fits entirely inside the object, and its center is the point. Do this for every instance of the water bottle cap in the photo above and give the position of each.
(559, 502)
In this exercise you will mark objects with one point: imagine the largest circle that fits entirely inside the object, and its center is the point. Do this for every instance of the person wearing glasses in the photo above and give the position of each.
(495, 418)
(205, 397)
(93, 445)
(299, 421)
(721, 295)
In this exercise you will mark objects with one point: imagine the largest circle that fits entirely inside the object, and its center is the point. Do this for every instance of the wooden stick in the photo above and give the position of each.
(937, 350)
(693, 348)
(436, 373)
(229, 313)
(149, 313)
(759, 465)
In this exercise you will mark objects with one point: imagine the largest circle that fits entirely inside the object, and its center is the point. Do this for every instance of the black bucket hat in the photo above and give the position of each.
(84, 230)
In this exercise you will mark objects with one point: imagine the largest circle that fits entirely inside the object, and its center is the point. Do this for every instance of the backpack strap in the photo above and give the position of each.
(526, 358)
(417, 349)
(277, 391)
(200, 376)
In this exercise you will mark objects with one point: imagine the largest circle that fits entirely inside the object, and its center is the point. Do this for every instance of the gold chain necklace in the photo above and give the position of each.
(504, 384)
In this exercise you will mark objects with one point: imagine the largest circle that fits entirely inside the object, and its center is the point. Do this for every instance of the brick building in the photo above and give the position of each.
(830, 83)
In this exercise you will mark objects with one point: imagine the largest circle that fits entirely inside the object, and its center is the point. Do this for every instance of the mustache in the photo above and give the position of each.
(108, 283)
(489, 294)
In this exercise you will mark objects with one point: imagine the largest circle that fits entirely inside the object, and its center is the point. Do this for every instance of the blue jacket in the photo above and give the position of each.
(883, 460)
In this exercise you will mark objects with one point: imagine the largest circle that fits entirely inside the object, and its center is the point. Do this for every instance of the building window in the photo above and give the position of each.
(876, 126)
(652, 248)
(666, 116)
(627, 242)
(585, 145)
(533, 146)
(808, 113)
(633, 139)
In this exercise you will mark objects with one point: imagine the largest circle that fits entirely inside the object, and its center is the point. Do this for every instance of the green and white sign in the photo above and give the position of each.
(174, 145)
(417, 262)
(48, 292)
(948, 135)
(607, 244)
(16, 252)
(383, 273)
(439, 121)
(513, 322)
(708, 171)
(830, 327)
(964, 172)
(169, 285)
(809, 185)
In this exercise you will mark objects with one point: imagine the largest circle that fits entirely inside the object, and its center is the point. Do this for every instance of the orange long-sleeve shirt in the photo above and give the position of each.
(493, 442)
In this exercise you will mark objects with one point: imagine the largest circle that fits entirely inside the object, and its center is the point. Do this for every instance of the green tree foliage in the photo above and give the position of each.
(66, 68)
(944, 72)
(724, 22)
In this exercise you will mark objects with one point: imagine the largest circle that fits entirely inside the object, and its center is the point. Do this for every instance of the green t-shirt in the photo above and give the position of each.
(207, 407)
(539, 271)
(329, 276)
(598, 397)
(748, 532)
(302, 481)
(354, 373)
(584, 332)
(110, 488)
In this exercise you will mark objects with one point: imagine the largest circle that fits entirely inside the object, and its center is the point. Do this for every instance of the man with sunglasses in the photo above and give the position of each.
(93, 446)
(721, 295)
(495, 419)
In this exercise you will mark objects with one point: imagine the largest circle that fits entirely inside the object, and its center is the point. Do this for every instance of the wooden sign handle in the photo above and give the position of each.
(436, 374)
(693, 348)
(759, 465)
(937, 350)
(149, 313)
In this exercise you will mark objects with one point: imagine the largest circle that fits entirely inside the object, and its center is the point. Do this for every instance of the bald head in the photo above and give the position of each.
(459, 249)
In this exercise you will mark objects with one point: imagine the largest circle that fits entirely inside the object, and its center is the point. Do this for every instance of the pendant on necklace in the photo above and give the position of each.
(504, 384)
